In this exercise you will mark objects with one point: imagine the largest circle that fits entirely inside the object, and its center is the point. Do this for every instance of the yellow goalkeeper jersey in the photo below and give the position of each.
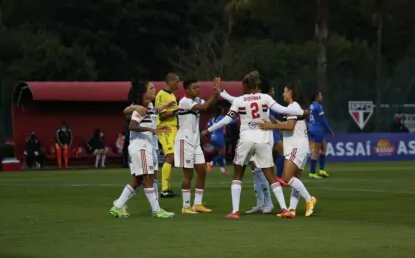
(165, 96)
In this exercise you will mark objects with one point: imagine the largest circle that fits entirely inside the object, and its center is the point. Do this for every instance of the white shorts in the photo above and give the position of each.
(297, 155)
(259, 153)
(156, 160)
(142, 163)
(187, 155)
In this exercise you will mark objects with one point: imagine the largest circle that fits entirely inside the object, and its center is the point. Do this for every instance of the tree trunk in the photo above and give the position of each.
(378, 116)
(321, 34)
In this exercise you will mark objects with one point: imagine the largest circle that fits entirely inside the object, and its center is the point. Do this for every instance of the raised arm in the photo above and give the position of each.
(226, 96)
(203, 105)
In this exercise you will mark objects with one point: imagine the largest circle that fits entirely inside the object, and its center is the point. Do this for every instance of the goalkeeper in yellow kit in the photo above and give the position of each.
(167, 117)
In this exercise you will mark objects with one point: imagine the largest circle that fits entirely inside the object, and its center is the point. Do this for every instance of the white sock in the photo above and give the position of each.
(151, 197)
(279, 194)
(126, 194)
(103, 158)
(299, 186)
(258, 188)
(295, 197)
(138, 189)
(97, 160)
(186, 198)
(236, 189)
(198, 196)
(265, 189)
(156, 188)
(211, 163)
(222, 169)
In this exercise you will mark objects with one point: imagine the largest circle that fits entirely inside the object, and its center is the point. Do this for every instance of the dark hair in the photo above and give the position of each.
(97, 132)
(252, 80)
(314, 96)
(264, 85)
(298, 93)
(137, 91)
(170, 76)
(187, 83)
(218, 110)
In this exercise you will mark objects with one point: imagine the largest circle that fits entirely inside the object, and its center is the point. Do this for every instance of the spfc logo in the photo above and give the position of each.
(361, 111)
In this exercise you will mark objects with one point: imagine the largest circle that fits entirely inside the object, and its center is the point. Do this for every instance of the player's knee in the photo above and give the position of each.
(65, 147)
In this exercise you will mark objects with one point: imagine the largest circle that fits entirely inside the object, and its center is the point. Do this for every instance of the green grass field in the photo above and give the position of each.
(364, 210)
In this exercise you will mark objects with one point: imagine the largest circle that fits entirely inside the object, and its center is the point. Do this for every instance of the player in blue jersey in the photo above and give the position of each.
(317, 127)
(217, 139)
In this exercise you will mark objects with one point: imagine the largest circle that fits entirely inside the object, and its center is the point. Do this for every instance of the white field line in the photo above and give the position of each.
(214, 185)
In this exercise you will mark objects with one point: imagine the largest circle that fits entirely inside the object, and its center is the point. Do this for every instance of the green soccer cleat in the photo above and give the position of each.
(314, 176)
(168, 212)
(124, 209)
(323, 173)
(118, 213)
(162, 214)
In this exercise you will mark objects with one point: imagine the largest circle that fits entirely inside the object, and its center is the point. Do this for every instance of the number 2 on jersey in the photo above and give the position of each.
(254, 110)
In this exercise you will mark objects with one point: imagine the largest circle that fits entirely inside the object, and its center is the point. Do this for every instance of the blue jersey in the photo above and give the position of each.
(275, 133)
(217, 133)
(317, 122)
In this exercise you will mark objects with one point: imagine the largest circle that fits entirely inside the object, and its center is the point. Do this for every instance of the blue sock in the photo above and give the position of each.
(217, 159)
(322, 161)
(280, 165)
(313, 164)
(221, 160)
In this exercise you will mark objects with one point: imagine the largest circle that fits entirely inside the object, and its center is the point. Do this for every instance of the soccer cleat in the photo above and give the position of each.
(323, 173)
(168, 212)
(254, 210)
(267, 210)
(167, 194)
(286, 214)
(188, 210)
(118, 213)
(309, 206)
(124, 209)
(226, 172)
(162, 214)
(314, 176)
(201, 208)
(233, 215)
(282, 182)
(209, 166)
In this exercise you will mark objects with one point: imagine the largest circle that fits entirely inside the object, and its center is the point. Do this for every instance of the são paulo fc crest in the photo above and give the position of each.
(361, 111)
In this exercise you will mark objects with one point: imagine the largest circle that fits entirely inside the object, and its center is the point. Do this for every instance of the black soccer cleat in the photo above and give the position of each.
(167, 194)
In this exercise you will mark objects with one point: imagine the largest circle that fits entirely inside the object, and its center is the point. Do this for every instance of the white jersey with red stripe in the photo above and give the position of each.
(295, 143)
(189, 121)
(253, 109)
(153, 116)
(141, 140)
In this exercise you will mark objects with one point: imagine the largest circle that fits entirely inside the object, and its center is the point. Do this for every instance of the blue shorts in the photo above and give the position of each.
(218, 142)
(277, 136)
(316, 137)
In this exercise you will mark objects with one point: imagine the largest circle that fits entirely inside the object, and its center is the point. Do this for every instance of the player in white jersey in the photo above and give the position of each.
(253, 109)
(261, 186)
(188, 153)
(142, 163)
(296, 149)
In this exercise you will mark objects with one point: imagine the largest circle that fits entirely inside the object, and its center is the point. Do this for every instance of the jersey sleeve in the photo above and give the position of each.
(137, 117)
(186, 104)
(320, 110)
(293, 106)
(227, 97)
(274, 106)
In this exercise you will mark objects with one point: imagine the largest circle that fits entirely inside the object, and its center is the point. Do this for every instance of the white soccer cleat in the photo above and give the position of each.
(254, 210)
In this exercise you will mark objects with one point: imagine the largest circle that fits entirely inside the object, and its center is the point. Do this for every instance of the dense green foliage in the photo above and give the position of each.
(117, 39)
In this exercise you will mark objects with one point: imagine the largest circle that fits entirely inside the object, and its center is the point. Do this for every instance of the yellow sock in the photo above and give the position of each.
(165, 176)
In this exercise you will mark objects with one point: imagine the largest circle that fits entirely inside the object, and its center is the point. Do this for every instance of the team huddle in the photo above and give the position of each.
(257, 141)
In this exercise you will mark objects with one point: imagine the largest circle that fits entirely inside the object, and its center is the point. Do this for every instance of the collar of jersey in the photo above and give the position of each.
(168, 91)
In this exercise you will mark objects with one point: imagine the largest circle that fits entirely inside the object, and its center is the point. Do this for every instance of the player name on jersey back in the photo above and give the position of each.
(252, 109)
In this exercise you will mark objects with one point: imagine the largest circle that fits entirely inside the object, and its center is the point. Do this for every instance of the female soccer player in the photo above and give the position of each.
(141, 151)
(296, 149)
(253, 108)
(217, 139)
(317, 127)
